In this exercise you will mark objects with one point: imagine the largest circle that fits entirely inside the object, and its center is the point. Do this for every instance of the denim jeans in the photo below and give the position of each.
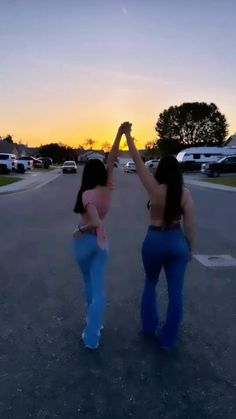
(169, 249)
(92, 262)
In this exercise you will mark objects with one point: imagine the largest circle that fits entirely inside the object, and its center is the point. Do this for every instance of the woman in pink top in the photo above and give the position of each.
(90, 241)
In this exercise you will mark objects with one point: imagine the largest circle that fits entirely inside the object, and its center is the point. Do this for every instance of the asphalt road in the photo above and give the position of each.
(44, 370)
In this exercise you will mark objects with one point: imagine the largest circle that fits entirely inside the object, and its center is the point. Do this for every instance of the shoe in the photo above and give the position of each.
(164, 348)
(88, 346)
(147, 334)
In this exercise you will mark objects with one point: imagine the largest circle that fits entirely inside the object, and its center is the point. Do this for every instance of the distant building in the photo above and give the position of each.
(21, 150)
(32, 151)
(7, 147)
(90, 154)
(231, 142)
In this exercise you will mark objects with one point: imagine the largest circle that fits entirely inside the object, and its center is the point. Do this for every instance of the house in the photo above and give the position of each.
(21, 150)
(8, 147)
(32, 151)
(231, 142)
(90, 154)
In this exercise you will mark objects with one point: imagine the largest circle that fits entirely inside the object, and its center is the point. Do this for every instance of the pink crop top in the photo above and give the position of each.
(99, 197)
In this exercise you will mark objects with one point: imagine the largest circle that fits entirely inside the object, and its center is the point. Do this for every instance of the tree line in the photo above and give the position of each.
(60, 152)
(191, 124)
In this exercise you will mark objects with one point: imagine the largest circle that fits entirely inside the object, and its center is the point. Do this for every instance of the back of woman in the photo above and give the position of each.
(165, 245)
(157, 205)
(90, 242)
(166, 196)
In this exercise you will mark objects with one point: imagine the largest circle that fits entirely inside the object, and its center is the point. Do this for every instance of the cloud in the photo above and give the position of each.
(124, 10)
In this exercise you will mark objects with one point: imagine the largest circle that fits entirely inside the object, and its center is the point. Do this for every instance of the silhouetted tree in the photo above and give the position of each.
(151, 150)
(8, 139)
(106, 146)
(80, 147)
(190, 124)
(58, 152)
(89, 143)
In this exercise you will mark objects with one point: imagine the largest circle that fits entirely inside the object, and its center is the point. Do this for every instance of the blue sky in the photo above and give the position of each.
(76, 69)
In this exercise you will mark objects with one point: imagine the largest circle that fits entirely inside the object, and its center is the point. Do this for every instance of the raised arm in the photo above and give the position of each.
(114, 152)
(145, 176)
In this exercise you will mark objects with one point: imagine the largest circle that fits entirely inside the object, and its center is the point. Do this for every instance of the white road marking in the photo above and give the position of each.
(216, 261)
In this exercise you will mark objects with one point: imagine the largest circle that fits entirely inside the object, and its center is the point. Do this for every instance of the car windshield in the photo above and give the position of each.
(221, 160)
(4, 156)
(69, 163)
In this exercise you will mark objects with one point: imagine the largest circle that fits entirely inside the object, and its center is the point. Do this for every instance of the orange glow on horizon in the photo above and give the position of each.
(71, 123)
(61, 129)
(76, 138)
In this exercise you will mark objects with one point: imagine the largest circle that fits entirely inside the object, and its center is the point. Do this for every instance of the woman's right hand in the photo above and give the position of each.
(120, 131)
(126, 127)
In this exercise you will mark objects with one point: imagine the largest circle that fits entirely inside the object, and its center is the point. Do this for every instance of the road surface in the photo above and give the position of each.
(44, 370)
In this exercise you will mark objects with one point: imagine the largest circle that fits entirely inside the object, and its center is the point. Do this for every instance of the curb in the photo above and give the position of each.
(32, 186)
(208, 185)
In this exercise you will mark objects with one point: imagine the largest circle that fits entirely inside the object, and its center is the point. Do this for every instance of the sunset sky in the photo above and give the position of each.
(75, 69)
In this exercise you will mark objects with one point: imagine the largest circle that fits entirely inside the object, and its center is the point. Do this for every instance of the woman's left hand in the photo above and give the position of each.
(126, 126)
(77, 234)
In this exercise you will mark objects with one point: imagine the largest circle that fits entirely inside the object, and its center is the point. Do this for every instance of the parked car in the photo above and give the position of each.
(33, 162)
(69, 167)
(23, 164)
(7, 162)
(223, 165)
(37, 163)
(47, 161)
(152, 164)
(130, 167)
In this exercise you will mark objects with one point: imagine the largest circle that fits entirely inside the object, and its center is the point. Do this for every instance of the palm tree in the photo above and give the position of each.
(89, 142)
(106, 146)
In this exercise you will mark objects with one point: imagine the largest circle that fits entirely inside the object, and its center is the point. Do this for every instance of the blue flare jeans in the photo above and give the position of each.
(167, 248)
(92, 261)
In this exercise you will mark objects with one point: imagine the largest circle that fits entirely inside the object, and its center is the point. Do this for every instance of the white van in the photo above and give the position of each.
(196, 156)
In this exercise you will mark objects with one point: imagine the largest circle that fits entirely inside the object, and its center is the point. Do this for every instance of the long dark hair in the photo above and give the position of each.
(169, 172)
(94, 174)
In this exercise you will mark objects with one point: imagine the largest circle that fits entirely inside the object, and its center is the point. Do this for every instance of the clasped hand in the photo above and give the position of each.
(125, 128)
